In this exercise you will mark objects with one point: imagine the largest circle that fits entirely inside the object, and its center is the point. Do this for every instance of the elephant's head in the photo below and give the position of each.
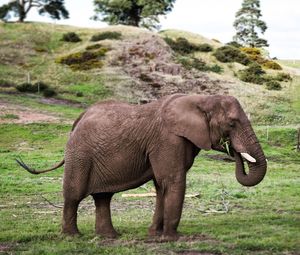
(206, 121)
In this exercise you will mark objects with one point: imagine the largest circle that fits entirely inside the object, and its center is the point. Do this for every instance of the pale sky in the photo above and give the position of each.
(210, 18)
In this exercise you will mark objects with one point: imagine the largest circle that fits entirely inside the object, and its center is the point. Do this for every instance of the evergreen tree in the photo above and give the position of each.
(132, 12)
(249, 25)
(20, 9)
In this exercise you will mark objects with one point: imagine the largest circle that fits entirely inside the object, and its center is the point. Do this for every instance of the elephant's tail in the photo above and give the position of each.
(33, 171)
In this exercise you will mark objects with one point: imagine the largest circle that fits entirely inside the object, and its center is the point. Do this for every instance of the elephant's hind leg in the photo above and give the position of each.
(104, 225)
(69, 224)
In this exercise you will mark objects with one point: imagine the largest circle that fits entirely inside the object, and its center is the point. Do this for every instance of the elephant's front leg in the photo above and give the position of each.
(156, 228)
(174, 190)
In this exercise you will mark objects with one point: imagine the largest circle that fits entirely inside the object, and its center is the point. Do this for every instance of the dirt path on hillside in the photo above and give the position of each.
(11, 113)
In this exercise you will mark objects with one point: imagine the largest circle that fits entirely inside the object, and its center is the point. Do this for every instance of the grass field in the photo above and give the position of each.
(225, 219)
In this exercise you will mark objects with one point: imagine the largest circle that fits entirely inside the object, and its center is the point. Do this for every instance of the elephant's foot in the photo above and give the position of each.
(169, 237)
(70, 232)
(108, 233)
(154, 232)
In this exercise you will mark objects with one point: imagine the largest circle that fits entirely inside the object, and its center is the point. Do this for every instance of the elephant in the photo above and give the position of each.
(116, 146)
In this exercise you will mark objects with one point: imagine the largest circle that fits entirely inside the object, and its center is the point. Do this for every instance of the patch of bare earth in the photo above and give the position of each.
(6, 247)
(149, 62)
(10, 113)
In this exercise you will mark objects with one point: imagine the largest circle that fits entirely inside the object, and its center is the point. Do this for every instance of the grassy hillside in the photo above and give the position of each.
(29, 52)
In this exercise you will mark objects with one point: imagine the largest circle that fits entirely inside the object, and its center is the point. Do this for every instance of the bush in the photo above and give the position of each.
(254, 54)
(191, 62)
(253, 74)
(94, 46)
(227, 54)
(85, 60)
(273, 85)
(27, 87)
(40, 86)
(79, 94)
(183, 46)
(106, 35)
(49, 92)
(198, 64)
(216, 68)
(283, 77)
(32, 88)
(215, 40)
(234, 44)
(269, 64)
(205, 47)
(71, 37)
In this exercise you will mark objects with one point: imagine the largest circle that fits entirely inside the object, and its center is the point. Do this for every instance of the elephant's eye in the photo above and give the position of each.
(231, 124)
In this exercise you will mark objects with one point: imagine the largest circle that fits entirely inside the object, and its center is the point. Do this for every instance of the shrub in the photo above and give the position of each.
(94, 46)
(49, 92)
(253, 74)
(283, 77)
(181, 45)
(71, 37)
(205, 47)
(255, 69)
(79, 94)
(273, 85)
(85, 60)
(40, 86)
(145, 77)
(216, 68)
(234, 44)
(106, 35)
(254, 54)
(269, 64)
(227, 54)
(191, 62)
(250, 50)
(216, 40)
(32, 88)
(27, 87)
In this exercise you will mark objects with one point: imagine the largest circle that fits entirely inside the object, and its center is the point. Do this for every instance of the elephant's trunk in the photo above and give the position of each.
(257, 170)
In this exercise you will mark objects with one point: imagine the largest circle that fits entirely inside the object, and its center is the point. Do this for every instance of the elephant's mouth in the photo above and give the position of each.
(225, 146)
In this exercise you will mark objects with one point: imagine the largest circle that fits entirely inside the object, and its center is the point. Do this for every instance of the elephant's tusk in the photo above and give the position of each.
(248, 157)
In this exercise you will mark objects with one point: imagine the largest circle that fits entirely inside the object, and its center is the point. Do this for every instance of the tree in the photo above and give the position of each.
(248, 25)
(132, 12)
(20, 8)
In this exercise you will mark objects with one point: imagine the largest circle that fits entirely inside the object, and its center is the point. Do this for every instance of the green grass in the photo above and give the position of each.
(226, 219)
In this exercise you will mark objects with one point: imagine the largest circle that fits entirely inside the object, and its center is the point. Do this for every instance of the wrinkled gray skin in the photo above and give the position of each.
(116, 146)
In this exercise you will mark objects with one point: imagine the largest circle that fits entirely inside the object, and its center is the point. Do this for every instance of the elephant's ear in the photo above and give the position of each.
(184, 117)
